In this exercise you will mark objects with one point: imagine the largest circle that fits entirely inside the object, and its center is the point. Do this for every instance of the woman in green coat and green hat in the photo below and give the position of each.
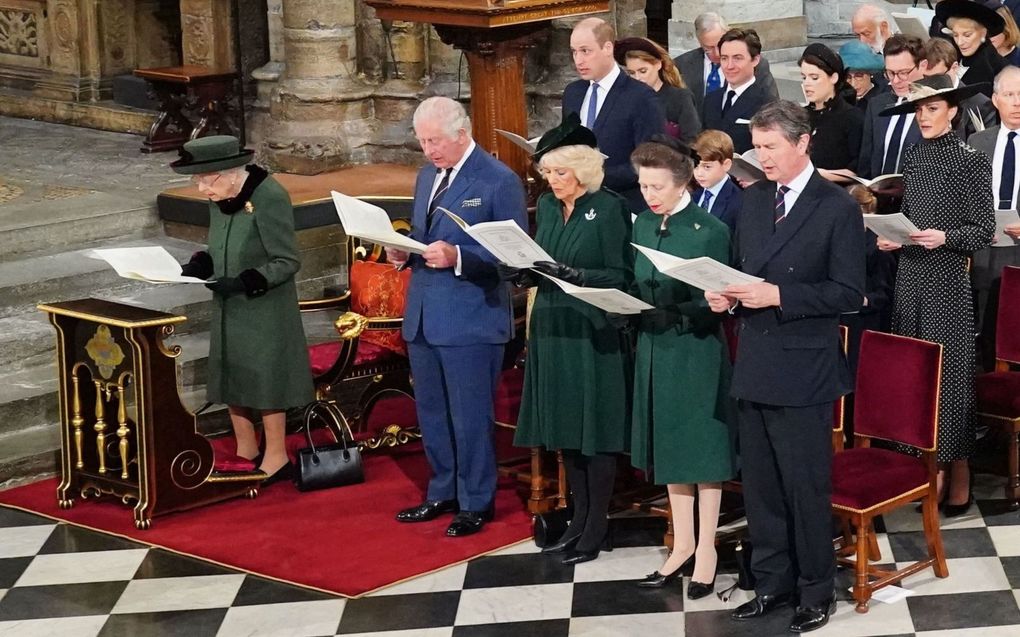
(258, 361)
(681, 436)
(576, 378)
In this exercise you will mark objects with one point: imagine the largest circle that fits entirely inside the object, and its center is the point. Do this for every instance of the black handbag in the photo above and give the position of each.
(326, 466)
(549, 527)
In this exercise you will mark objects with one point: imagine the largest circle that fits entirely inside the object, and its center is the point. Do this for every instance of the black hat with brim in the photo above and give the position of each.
(975, 11)
(568, 133)
(933, 87)
(211, 154)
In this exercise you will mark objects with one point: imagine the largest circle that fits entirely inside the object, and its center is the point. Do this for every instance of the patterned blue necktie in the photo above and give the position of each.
(593, 105)
(706, 200)
(714, 82)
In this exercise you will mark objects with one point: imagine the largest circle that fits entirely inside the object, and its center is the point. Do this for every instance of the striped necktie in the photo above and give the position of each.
(781, 204)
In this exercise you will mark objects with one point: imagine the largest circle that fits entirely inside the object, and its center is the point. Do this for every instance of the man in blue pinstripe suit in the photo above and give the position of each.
(458, 318)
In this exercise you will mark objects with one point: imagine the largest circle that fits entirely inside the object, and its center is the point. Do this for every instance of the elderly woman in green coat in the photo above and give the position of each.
(258, 361)
(681, 436)
(576, 378)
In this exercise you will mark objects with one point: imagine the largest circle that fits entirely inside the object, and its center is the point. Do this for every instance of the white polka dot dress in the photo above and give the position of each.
(948, 186)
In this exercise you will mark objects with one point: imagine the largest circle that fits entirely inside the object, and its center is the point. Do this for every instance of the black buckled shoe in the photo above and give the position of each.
(658, 580)
(697, 590)
(427, 510)
(760, 606)
(808, 618)
(468, 523)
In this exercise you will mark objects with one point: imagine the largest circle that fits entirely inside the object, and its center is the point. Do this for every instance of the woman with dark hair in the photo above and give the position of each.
(836, 126)
(948, 194)
(680, 435)
(650, 64)
(972, 25)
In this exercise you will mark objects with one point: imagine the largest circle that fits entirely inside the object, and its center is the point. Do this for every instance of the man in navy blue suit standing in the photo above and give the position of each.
(457, 318)
(621, 111)
(730, 108)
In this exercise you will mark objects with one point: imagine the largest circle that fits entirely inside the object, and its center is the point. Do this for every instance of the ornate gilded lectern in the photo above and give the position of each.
(123, 429)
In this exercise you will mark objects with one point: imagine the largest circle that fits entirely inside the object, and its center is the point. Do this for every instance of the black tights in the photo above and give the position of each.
(590, 479)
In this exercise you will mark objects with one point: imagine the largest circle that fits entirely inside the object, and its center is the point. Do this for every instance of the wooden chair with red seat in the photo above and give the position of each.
(368, 360)
(998, 393)
(896, 401)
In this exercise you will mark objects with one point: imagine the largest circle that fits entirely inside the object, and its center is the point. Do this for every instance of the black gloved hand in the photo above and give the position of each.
(619, 321)
(661, 318)
(560, 271)
(200, 266)
(520, 277)
(226, 286)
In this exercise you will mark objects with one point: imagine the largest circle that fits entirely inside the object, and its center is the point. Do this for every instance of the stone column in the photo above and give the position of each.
(267, 76)
(780, 23)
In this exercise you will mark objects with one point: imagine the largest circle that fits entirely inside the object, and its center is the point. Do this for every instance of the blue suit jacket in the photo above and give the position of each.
(790, 355)
(744, 108)
(630, 115)
(473, 308)
(872, 155)
(726, 205)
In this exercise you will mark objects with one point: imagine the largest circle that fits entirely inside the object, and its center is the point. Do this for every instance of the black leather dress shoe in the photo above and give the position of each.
(468, 523)
(562, 545)
(808, 618)
(697, 590)
(760, 606)
(428, 510)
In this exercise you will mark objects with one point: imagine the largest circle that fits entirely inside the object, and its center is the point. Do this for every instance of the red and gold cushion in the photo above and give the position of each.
(321, 356)
(380, 290)
(866, 477)
(998, 393)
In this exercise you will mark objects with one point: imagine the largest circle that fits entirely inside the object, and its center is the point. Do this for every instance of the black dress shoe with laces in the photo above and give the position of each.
(468, 523)
(760, 606)
(808, 618)
(427, 510)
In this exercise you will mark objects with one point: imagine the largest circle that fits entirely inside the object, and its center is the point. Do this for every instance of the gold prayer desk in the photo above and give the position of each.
(123, 429)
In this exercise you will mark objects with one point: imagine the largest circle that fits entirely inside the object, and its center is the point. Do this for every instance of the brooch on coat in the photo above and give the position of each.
(697, 226)
(471, 203)
(590, 215)
(249, 208)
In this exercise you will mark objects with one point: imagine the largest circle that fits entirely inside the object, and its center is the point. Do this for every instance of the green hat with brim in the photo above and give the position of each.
(568, 133)
(211, 154)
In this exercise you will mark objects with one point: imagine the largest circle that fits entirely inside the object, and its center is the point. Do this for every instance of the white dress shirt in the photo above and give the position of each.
(605, 84)
(797, 186)
(449, 184)
(997, 159)
(715, 190)
(903, 137)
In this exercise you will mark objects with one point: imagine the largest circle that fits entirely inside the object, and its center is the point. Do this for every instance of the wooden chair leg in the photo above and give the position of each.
(848, 535)
(932, 533)
(1013, 482)
(862, 588)
(536, 501)
(563, 489)
(874, 553)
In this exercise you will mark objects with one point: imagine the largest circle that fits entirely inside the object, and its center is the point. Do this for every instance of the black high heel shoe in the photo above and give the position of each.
(562, 545)
(658, 580)
(697, 590)
(286, 472)
(956, 510)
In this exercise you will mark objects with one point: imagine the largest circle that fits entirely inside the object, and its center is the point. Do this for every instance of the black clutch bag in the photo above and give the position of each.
(326, 466)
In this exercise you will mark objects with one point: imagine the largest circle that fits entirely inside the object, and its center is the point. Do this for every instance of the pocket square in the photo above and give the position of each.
(471, 203)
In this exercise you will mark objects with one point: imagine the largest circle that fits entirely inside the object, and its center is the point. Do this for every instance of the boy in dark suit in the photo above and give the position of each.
(729, 108)
(803, 235)
(717, 193)
(621, 111)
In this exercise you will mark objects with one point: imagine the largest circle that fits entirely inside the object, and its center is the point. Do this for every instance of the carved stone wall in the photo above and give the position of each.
(22, 33)
(207, 31)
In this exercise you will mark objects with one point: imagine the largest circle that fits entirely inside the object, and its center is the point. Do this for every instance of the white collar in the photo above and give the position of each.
(460, 164)
(1004, 130)
(717, 188)
(798, 183)
(685, 200)
(607, 82)
(739, 90)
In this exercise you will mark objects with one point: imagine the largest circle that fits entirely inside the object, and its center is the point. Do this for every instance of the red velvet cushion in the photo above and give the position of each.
(1007, 321)
(897, 389)
(322, 355)
(507, 404)
(225, 458)
(379, 290)
(864, 477)
(999, 393)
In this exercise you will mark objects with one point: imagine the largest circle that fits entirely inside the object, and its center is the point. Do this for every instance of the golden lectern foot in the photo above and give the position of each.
(143, 525)
(65, 504)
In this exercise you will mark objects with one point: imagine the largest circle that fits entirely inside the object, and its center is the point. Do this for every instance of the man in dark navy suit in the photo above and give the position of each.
(457, 317)
(885, 140)
(621, 111)
(803, 235)
(730, 108)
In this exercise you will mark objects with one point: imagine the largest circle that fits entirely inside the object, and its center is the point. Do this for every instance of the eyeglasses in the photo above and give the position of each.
(903, 76)
(206, 180)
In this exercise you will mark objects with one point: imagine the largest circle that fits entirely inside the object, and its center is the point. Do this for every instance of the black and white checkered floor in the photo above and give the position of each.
(65, 581)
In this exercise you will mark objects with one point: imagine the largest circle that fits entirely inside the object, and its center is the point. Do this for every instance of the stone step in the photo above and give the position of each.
(29, 453)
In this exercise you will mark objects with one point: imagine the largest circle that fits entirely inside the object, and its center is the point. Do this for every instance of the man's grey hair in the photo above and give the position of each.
(448, 113)
(1002, 75)
(874, 14)
(788, 118)
(709, 21)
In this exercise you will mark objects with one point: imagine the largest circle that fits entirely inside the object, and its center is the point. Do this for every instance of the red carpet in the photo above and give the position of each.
(342, 540)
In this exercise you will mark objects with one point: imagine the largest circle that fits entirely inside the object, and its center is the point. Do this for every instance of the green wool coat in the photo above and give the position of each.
(257, 351)
(681, 432)
(576, 379)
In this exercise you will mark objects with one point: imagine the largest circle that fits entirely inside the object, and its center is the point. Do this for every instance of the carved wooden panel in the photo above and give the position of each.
(23, 33)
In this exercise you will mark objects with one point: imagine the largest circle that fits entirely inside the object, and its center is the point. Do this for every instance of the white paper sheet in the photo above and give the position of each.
(704, 273)
(371, 223)
(527, 145)
(896, 228)
(505, 240)
(147, 263)
(1005, 218)
(608, 299)
(891, 594)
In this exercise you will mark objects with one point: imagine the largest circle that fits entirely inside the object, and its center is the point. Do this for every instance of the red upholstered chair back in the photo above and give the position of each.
(897, 392)
(1007, 321)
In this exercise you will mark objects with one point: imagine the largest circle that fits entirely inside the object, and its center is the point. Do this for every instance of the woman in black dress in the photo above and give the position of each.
(649, 63)
(971, 24)
(948, 195)
(1006, 42)
(836, 126)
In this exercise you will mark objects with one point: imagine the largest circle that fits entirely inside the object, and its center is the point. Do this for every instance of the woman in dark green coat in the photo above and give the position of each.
(680, 433)
(576, 378)
(258, 361)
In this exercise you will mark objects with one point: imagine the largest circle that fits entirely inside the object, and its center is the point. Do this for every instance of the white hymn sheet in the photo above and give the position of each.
(608, 299)
(527, 145)
(896, 228)
(704, 273)
(363, 220)
(506, 240)
(1005, 218)
(148, 263)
